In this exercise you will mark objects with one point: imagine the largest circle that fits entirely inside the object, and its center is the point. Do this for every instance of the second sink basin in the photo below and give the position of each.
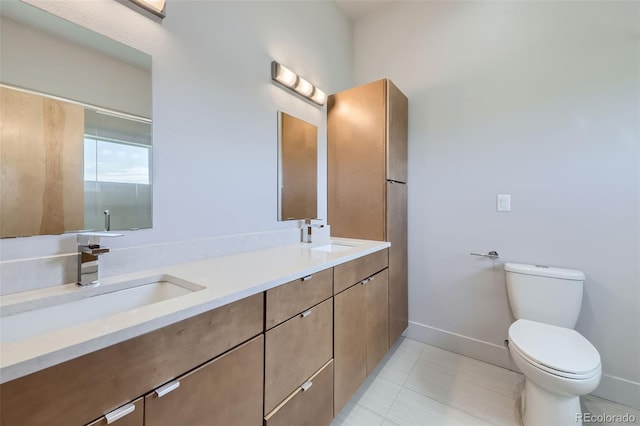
(23, 320)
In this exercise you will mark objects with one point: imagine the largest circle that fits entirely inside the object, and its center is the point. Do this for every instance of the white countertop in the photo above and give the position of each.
(225, 279)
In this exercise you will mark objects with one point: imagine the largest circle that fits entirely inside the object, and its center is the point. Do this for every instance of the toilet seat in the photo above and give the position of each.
(559, 351)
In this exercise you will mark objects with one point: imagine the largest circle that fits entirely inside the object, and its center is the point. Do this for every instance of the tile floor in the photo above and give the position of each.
(420, 385)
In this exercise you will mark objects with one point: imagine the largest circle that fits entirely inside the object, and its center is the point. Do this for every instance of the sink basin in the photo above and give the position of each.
(78, 305)
(332, 247)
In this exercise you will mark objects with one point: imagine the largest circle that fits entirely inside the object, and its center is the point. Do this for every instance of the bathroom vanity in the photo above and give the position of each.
(279, 336)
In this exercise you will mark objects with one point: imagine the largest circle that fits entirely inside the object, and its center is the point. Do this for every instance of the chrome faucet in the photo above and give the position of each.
(308, 226)
(89, 249)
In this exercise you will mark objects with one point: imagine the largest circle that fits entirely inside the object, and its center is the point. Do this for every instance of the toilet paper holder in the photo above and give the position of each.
(491, 255)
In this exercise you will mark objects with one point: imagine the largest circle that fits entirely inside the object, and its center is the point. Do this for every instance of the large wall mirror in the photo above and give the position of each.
(75, 128)
(297, 168)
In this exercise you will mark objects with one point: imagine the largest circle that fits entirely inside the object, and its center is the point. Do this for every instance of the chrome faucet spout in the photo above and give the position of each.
(89, 250)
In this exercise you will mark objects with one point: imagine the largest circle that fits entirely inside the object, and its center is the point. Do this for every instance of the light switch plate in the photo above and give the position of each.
(503, 202)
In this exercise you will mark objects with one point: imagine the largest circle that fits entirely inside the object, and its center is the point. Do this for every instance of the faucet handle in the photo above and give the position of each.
(93, 238)
(307, 223)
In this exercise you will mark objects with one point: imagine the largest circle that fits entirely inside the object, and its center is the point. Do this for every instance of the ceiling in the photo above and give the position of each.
(356, 9)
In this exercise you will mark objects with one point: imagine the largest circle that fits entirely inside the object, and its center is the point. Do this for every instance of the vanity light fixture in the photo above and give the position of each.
(292, 81)
(154, 6)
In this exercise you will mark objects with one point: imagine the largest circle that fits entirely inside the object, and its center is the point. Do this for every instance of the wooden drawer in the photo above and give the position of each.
(226, 391)
(120, 373)
(133, 418)
(311, 407)
(296, 349)
(347, 274)
(287, 300)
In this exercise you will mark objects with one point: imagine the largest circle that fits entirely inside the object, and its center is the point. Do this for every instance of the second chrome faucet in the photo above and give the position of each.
(307, 228)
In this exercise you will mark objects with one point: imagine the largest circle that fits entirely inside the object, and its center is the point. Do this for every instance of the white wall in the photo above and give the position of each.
(540, 100)
(214, 107)
(36, 60)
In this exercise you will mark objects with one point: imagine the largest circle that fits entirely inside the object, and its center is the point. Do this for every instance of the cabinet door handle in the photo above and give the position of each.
(119, 413)
(365, 281)
(305, 313)
(306, 385)
(307, 278)
(169, 387)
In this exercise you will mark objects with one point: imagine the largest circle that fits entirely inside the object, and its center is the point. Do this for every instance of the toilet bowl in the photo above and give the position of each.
(559, 365)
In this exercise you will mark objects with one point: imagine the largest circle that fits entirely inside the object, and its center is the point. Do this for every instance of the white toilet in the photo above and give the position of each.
(558, 363)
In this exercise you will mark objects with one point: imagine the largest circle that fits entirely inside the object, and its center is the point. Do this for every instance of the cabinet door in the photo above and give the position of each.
(309, 405)
(226, 391)
(397, 133)
(295, 350)
(356, 161)
(397, 234)
(376, 300)
(131, 414)
(350, 356)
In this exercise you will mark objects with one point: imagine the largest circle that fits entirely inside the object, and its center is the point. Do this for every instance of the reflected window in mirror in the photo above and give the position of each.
(117, 173)
(297, 168)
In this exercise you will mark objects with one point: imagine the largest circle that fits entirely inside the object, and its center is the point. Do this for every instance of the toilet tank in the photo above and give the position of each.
(545, 294)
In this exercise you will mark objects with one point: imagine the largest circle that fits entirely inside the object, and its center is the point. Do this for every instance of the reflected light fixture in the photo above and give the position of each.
(289, 79)
(154, 6)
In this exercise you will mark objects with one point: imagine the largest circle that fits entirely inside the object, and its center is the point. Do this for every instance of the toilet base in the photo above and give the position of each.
(543, 408)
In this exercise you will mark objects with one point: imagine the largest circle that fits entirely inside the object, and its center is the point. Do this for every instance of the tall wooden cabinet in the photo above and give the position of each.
(367, 178)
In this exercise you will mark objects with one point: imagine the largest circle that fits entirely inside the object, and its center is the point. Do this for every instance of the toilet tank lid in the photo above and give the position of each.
(545, 271)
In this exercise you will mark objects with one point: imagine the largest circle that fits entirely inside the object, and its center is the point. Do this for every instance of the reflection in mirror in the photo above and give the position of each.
(75, 137)
(297, 168)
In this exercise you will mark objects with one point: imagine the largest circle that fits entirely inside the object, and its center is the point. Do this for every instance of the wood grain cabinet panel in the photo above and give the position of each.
(134, 418)
(376, 301)
(361, 335)
(296, 349)
(287, 300)
(350, 356)
(226, 391)
(310, 407)
(115, 375)
(347, 274)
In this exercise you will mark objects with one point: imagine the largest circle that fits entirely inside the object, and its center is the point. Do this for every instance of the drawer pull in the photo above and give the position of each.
(169, 387)
(119, 413)
(307, 278)
(306, 385)
(365, 281)
(305, 313)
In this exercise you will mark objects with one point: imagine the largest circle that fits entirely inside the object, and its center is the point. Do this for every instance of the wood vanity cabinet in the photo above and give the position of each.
(361, 336)
(81, 390)
(225, 391)
(295, 350)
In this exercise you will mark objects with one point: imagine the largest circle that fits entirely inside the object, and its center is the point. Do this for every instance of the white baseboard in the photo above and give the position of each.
(612, 388)
(619, 390)
(474, 348)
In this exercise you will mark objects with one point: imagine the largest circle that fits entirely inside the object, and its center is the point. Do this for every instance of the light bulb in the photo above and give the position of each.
(319, 97)
(304, 87)
(286, 76)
